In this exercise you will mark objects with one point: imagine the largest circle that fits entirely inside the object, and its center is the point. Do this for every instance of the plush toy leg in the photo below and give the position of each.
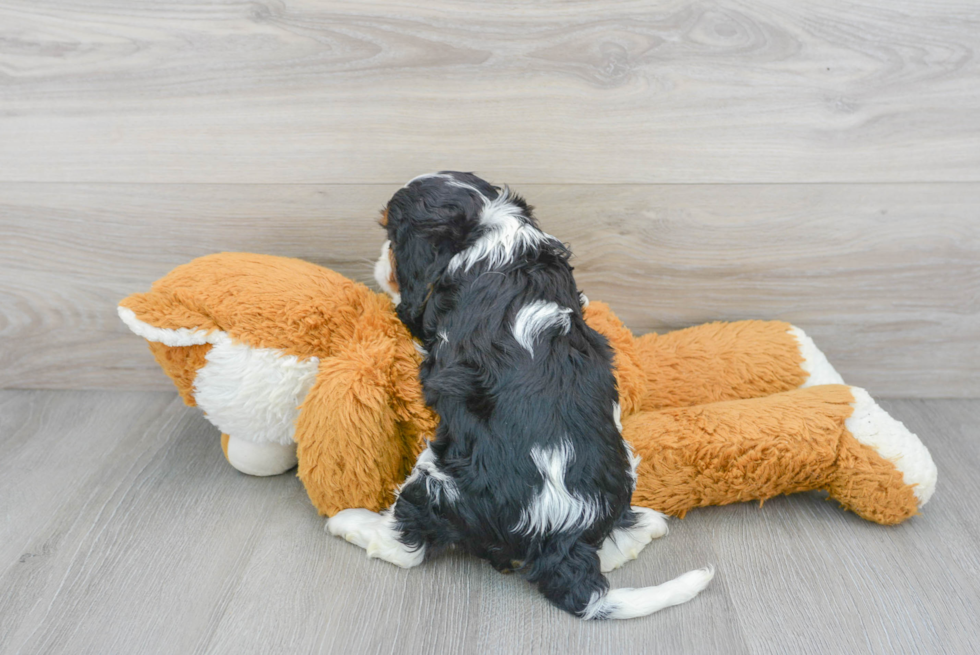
(350, 446)
(260, 459)
(728, 361)
(830, 437)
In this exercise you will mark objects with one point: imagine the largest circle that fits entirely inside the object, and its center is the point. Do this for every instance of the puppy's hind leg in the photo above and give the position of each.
(637, 527)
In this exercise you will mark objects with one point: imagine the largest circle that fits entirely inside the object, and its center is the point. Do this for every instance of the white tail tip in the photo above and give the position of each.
(631, 603)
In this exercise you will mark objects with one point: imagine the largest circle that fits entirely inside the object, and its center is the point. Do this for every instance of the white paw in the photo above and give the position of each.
(622, 546)
(376, 534)
(358, 526)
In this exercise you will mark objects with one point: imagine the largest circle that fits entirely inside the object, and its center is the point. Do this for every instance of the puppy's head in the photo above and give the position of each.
(428, 221)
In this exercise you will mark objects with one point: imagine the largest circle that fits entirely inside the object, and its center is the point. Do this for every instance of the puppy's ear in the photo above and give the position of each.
(432, 223)
(448, 219)
(421, 267)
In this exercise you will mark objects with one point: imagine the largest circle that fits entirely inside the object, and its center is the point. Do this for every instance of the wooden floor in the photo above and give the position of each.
(124, 531)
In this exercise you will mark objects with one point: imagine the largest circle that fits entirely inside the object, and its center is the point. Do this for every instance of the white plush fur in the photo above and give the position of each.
(583, 299)
(166, 336)
(438, 484)
(872, 426)
(253, 394)
(814, 361)
(555, 508)
(382, 273)
(376, 534)
(536, 317)
(631, 603)
(508, 233)
(265, 458)
(623, 545)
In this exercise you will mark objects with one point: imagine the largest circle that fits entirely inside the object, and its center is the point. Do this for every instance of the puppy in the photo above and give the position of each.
(528, 468)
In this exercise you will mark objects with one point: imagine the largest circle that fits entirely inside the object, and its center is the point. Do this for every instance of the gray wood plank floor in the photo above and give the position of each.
(122, 530)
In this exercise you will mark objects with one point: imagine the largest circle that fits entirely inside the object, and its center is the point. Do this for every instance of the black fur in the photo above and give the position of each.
(496, 403)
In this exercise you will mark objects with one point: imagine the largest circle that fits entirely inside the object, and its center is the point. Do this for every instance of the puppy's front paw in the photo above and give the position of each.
(376, 534)
(358, 526)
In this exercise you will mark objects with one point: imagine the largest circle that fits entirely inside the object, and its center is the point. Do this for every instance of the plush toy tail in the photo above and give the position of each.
(831, 437)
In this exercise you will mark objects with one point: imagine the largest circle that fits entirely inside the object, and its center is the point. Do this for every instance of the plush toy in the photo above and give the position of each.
(295, 363)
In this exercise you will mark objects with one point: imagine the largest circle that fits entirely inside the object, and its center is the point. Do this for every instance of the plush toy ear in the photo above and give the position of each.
(347, 435)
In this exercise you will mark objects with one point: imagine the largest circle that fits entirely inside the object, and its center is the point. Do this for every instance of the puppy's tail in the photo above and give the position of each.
(627, 603)
(568, 574)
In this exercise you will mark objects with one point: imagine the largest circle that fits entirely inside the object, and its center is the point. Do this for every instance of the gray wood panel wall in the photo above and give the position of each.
(814, 162)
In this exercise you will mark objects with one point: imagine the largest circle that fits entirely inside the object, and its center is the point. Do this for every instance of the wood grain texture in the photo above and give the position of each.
(886, 278)
(306, 91)
(124, 531)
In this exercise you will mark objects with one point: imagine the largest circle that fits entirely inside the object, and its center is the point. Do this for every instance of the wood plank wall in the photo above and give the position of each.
(814, 162)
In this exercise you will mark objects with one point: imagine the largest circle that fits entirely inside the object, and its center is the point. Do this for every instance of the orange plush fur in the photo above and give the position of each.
(716, 412)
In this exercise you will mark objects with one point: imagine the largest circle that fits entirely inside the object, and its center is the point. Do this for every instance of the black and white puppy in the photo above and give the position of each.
(528, 468)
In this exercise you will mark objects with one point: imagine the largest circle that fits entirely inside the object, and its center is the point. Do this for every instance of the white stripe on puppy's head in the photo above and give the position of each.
(508, 232)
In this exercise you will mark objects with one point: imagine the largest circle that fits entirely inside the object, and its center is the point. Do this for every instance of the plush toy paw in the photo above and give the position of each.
(625, 544)
(873, 426)
(262, 458)
(376, 534)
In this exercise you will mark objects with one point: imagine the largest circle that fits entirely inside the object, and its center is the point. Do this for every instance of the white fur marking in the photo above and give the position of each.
(536, 317)
(253, 394)
(375, 533)
(625, 544)
(450, 179)
(507, 233)
(437, 483)
(583, 299)
(555, 508)
(382, 273)
(631, 603)
(634, 458)
(422, 177)
(166, 336)
(872, 426)
(814, 361)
